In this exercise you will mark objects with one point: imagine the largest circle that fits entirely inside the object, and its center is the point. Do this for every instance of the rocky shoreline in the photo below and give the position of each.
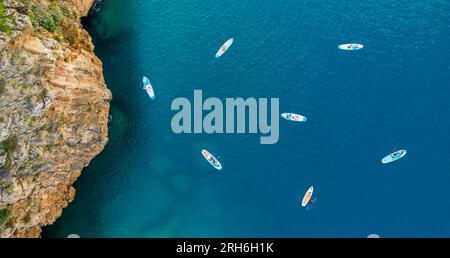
(54, 108)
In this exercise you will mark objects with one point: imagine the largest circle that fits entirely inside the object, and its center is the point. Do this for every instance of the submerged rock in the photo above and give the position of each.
(54, 108)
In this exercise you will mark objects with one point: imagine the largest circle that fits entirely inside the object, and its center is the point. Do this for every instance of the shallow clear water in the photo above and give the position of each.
(360, 105)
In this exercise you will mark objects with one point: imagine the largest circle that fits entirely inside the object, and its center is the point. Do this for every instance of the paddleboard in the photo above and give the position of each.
(351, 46)
(211, 159)
(394, 156)
(307, 196)
(224, 48)
(148, 87)
(293, 117)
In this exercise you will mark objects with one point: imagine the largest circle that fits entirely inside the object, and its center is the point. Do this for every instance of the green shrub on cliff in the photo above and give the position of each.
(27, 218)
(45, 127)
(59, 37)
(4, 215)
(9, 145)
(10, 189)
(2, 85)
(3, 147)
(2, 9)
(33, 70)
(6, 186)
(51, 19)
(3, 17)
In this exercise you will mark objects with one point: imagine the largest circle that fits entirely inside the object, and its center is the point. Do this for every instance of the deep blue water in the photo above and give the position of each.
(361, 105)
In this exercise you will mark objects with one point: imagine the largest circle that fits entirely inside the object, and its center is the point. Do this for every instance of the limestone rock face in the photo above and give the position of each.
(83, 6)
(54, 108)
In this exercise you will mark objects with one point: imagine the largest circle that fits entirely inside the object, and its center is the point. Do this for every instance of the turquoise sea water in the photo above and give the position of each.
(361, 105)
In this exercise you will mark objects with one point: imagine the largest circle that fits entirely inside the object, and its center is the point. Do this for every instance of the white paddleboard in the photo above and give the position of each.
(307, 196)
(394, 156)
(224, 48)
(148, 87)
(293, 117)
(211, 159)
(351, 46)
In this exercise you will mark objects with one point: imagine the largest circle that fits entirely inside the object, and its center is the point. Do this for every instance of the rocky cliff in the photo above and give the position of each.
(54, 108)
